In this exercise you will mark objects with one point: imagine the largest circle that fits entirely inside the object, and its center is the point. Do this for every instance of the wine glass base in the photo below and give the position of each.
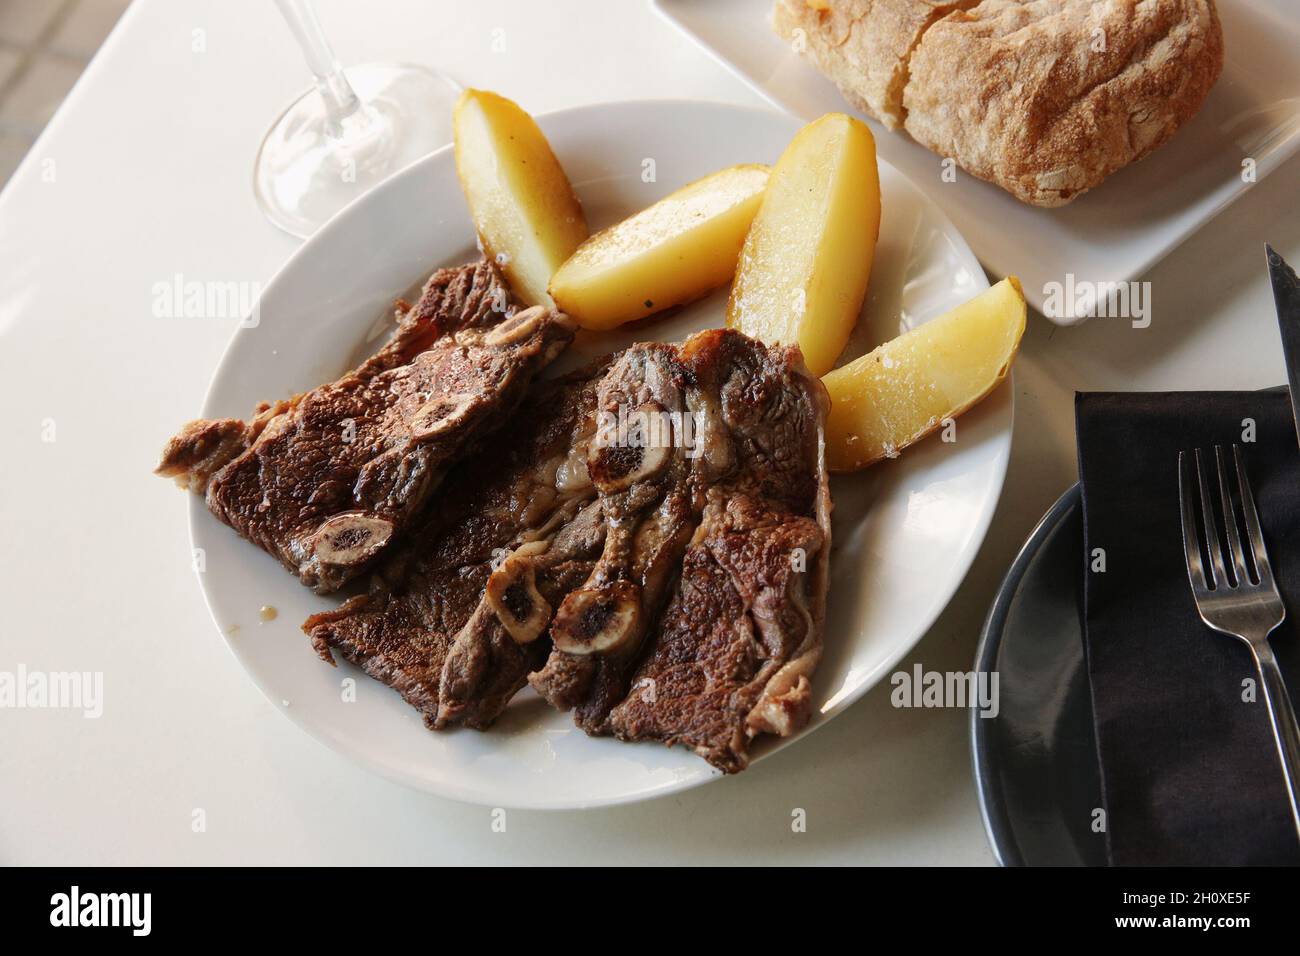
(309, 167)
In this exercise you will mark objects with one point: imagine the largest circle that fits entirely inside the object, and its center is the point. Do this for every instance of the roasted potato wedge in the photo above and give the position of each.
(524, 209)
(805, 264)
(906, 388)
(682, 247)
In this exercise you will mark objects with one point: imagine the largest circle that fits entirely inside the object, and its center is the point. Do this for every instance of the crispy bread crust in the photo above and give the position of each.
(1043, 113)
(863, 46)
(1045, 98)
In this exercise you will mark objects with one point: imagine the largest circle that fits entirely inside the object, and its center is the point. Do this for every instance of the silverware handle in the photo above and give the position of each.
(1285, 731)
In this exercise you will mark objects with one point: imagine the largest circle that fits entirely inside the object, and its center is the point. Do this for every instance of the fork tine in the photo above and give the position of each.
(1252, 521)
(1191, 546)
(1230, 520)
(1213, 546)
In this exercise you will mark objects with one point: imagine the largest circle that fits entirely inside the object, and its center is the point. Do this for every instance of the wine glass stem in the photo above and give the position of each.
(341, 100)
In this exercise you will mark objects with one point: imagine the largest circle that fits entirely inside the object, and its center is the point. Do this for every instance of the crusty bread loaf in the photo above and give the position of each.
(862, 45)
(1046, 98)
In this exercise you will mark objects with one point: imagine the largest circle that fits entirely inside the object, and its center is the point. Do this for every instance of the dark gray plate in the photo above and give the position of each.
(1036, 762)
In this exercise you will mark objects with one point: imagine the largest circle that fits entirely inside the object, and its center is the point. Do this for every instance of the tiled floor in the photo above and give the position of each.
(44, 46)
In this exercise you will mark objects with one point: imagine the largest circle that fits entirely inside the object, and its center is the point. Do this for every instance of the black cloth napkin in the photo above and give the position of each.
(1190, 774)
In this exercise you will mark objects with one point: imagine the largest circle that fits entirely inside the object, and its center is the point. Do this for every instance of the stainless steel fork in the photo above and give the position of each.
(1238, 598)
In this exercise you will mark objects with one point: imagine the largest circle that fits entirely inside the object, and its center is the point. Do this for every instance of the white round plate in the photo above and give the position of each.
(905, 531)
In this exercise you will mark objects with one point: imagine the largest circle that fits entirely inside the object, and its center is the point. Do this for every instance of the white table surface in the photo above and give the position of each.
(152, 154)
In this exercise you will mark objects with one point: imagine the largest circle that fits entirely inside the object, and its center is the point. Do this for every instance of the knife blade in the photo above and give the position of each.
(1286, 296)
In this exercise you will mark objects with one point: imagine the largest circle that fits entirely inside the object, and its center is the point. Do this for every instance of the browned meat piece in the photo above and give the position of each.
(745, 487)
(454, 619)
(662, 518)
(732, 655)
(328, 480)
(639, 463)
(505, 639)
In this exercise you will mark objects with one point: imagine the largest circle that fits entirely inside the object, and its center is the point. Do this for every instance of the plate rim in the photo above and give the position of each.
(997, 468)
(992, 801)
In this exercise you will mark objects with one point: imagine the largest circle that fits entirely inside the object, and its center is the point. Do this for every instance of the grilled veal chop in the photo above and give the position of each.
(328, 480)
(679, 573)
(455, 619)
(732, 655)
(648, 475)
(736, 518)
